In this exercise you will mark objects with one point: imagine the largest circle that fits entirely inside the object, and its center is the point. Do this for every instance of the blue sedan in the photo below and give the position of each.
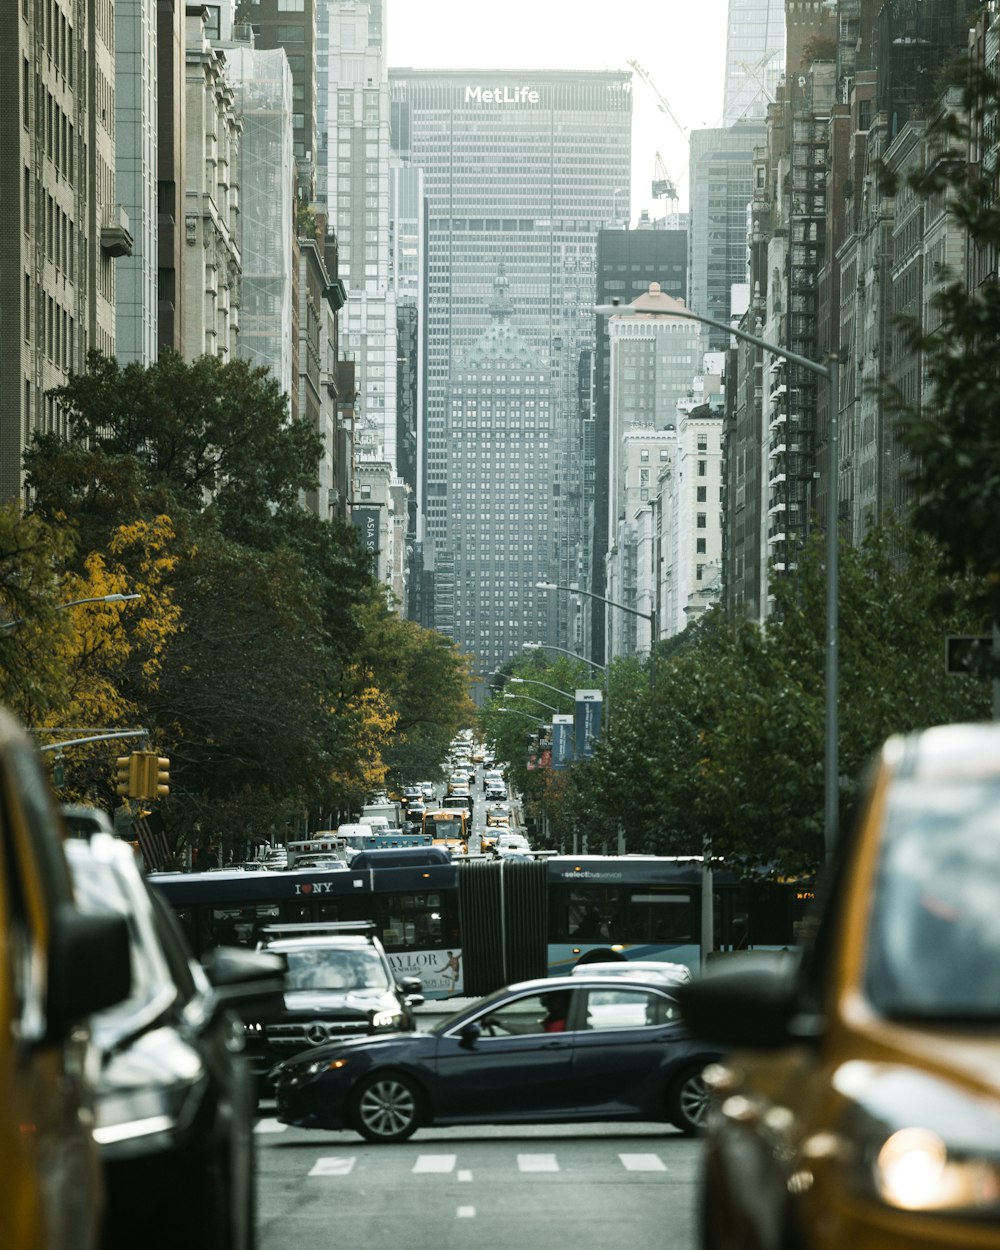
(555, 1051)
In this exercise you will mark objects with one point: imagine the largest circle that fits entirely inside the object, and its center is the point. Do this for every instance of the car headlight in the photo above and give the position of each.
(917, 1142)
(384, 1019)
(322, 1065)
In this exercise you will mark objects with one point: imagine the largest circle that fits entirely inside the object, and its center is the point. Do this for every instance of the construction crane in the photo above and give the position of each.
(664, 107)
(664, 187)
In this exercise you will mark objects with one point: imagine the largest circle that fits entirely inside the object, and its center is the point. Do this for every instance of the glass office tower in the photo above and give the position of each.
(521, 170)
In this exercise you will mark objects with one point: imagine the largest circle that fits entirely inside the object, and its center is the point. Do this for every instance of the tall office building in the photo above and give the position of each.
(521, 170)
(499, 464)
(627, 262)
(755, 58)
(135, 176)
(356, 114)
(720, 179)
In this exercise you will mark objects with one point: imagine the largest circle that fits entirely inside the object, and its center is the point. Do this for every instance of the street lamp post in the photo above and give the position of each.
(548, 646)
(75, 603)
(533, 681)
(831, 372)
(508, 695)
(612, 603)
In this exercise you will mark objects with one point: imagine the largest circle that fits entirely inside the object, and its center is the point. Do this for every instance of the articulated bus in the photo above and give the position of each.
(470, 926)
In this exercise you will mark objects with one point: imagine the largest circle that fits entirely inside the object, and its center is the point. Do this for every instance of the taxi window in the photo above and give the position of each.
(934, 946)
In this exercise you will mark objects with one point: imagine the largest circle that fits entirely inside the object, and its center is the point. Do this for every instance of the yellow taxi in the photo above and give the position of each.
(57, 967)
(858, 1107)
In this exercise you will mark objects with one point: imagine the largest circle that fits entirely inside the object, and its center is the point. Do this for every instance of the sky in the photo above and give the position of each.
(681, 44)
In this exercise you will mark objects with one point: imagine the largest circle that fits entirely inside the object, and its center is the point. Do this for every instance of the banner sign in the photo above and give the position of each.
(588, 722)
(562, 741)
(366, 520)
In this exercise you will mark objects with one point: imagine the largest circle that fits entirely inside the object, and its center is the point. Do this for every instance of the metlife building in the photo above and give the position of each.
(521, 169)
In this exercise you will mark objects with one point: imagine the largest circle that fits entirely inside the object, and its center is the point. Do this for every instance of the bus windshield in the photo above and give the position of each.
(445, 824)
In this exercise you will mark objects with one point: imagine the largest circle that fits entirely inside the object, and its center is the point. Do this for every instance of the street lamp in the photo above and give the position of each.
(548, 646)
(507, 695)
(831, 372)
(612, 603)
(75, 603)
(535, 682)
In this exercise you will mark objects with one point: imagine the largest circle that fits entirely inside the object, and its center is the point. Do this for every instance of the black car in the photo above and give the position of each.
(174, 1101)
(617, 1051)
(339, 983)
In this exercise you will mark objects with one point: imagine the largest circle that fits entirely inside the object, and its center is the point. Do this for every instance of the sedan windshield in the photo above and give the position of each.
(934, 949)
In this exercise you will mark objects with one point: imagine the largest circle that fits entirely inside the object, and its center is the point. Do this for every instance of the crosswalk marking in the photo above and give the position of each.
(434, 1163)
(333, 1165)
(465, 1175)
(465, 1213)
(643, 1163)
(270, 1126)
(537, 1163)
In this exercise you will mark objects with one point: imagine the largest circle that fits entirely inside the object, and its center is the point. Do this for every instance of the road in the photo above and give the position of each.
(583, 1187)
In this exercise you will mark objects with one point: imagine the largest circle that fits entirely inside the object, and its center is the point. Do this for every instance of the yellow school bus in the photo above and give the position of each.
(449, 828)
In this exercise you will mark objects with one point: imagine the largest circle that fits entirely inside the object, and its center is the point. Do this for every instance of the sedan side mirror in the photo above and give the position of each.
(470, 1034)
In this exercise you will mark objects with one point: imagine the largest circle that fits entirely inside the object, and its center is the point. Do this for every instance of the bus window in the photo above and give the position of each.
(584, 914)
(661, 916)
(413, 920)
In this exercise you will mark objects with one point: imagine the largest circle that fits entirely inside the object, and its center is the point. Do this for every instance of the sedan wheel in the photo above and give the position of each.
(687, 1102)
(387, 1108)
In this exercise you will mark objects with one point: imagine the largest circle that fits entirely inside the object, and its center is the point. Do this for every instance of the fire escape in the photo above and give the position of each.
(792, 429)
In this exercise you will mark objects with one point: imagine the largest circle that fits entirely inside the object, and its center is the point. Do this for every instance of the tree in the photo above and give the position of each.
(425, 681)
(951, 431)
(209, 434)
(727, 753)
(34, 675)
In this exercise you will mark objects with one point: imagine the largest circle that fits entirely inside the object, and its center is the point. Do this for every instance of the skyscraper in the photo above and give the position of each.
(521, 169)
(499, 466)
(755, 58)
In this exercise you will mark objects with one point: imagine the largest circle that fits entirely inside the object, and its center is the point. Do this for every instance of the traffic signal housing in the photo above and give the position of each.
(128, 774)
(158, 776)
(143, 775)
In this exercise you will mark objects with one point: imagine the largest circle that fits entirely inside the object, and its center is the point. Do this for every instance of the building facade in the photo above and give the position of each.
(520, 170)
(63, 225)
(627, 262)
(501, 447)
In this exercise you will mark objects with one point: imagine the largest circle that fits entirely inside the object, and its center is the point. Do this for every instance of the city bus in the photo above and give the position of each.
(471, 926)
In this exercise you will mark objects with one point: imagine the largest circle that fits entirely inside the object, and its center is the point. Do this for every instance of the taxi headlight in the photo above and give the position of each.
(384, 1019)
(916, 1142)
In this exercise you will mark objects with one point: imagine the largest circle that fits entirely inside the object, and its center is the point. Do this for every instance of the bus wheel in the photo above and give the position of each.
(687, 1101)
(386, 1107)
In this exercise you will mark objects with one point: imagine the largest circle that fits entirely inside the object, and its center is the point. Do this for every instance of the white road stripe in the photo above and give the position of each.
(434, 1163)
(465, 1175)
(643, 1163)
(333, 1165)
(537, 1163)
(270, 1126)
(465, 1213)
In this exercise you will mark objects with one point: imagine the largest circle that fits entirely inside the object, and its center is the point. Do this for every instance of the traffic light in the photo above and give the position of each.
(128, 775)
(157, 776)
(143, 775)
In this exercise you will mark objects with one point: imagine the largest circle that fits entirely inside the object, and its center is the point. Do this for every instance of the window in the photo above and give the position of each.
(702, 523)
(702, 493)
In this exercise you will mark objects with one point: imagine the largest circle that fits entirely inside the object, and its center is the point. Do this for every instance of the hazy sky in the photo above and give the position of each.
(681, 44)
